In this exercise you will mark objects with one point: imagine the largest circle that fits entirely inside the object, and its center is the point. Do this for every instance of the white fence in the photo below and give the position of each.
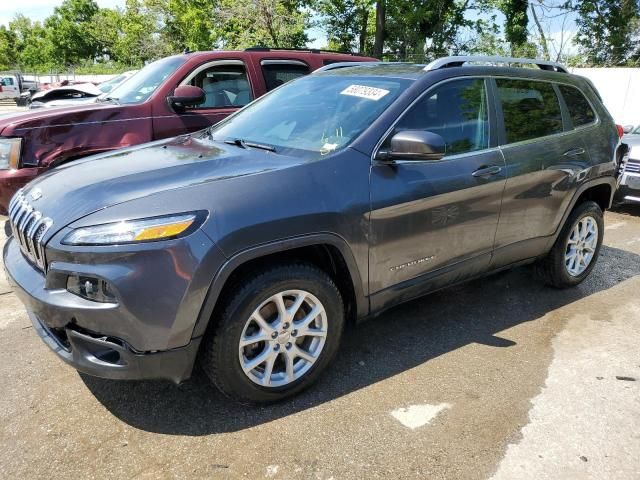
(59, 77)
(620, 91)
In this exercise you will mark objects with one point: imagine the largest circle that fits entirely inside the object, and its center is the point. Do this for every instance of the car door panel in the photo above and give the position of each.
(218, 104)
(427, 216)
(542, 172)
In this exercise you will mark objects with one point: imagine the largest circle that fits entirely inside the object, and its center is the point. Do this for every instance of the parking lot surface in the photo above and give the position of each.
(501, 377)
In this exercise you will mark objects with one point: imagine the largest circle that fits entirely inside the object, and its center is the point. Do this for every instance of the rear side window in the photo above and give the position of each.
(277, 73)
(579, 107)
(530, 109)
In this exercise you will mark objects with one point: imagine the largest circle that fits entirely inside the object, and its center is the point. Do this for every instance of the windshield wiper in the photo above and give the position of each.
(243, 144)
(107, 99)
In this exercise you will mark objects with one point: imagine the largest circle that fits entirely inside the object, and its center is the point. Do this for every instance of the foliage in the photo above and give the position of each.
(607, 30)
(81, 35)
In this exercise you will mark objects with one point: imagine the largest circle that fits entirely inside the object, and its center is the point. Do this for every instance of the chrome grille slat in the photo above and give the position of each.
(632, 166)
(29, 227)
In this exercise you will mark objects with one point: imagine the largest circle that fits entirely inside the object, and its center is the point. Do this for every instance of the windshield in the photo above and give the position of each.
(636, 131)
(141, 85)
(312, 116)
(107, 86)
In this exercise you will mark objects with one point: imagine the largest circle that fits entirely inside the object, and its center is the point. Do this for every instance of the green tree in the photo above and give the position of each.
(70, 31)
(347, 23)
(32, 46)
(607, 30)
(271, 23)
(8, 55)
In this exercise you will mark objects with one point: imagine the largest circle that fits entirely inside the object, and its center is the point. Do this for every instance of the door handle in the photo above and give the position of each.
(487, 171)
(574, 152)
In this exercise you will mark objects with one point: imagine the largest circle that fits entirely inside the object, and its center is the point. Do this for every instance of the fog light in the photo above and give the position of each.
(90, 288)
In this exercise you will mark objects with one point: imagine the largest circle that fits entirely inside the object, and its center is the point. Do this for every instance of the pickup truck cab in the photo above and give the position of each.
(141, 109)
(9, 87)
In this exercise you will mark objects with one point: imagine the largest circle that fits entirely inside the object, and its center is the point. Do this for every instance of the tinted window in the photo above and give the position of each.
(224, 86)
(457, 111)
(276, 74)
(579, 108)
(530, 109)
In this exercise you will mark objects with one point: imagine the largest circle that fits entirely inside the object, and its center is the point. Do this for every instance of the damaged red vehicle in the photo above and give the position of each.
(172, 96)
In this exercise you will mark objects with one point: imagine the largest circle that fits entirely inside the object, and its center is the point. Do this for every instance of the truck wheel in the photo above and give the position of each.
(275, 335)
(576, 249)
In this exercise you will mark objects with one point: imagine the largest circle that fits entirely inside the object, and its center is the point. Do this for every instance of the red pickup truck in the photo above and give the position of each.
(149, 106)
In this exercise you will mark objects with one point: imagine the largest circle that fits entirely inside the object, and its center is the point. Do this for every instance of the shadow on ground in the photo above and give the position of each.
(398, 340)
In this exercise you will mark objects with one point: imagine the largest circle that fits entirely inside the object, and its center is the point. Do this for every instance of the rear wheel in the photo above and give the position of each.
(275, 335)
(576, 249)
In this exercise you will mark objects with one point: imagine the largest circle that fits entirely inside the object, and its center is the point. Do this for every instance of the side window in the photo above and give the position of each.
(579, 108)
(224, 86)
(278, 72)
(457, 111)
(530, 109)
(7, 81)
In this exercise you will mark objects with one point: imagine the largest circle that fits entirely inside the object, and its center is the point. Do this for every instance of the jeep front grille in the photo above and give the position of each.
(28, 226)
(632, 166)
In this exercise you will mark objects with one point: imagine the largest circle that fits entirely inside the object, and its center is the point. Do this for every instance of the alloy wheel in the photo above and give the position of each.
(283, 338)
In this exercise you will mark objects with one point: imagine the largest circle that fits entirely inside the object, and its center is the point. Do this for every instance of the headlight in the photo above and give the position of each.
(133, 231)
(10, 152)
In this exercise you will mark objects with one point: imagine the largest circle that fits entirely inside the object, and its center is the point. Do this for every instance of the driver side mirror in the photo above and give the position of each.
(414, 145)
(627, 128)
(186, 96)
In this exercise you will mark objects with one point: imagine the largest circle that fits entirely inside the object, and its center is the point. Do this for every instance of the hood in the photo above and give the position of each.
(13, 123)
(80, 188)
(85, 89)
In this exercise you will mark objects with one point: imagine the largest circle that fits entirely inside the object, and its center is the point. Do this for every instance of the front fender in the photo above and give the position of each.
(223, 274)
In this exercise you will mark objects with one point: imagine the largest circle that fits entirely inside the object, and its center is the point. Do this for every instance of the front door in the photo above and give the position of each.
(226, 87)
(437, 216)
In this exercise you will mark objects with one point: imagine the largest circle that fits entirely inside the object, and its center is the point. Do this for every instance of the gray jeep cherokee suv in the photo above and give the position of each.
(251, 244)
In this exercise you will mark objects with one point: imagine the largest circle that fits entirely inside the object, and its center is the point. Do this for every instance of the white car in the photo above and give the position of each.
(9, 87)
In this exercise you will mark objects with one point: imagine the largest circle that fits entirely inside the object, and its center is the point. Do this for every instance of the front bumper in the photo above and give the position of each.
(113, 340)
(108, 357)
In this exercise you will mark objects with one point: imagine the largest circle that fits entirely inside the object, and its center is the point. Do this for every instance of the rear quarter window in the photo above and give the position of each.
(579, 107)
(278, 73)
(530, 109)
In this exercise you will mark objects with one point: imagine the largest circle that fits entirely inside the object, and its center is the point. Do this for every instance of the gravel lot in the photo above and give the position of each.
(500, 377)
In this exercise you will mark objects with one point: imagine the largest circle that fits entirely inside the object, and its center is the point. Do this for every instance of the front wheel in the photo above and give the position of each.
(276, 334)
(576, 249)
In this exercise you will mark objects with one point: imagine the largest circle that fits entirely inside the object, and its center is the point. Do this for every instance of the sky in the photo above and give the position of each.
(40, 9)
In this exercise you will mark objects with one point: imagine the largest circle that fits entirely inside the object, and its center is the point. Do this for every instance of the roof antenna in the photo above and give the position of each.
(186, 50)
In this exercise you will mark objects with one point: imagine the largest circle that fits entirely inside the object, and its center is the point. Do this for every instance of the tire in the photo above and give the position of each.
(222, 357)
(553, 269)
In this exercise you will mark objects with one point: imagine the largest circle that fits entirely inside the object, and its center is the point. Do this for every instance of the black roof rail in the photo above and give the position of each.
(309, 50)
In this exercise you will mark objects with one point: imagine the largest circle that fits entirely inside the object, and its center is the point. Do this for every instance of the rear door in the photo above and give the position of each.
(227, 88)
(543, 158)
(432, 216)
